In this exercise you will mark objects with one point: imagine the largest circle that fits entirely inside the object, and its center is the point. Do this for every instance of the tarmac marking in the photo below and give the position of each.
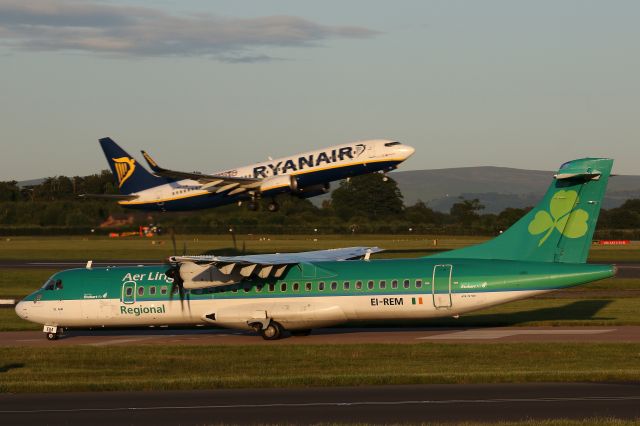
(119, 341)
(499, 334)
(334, 404)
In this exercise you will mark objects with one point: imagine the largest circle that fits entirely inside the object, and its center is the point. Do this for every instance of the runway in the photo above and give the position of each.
(333, 336)
(370, 404)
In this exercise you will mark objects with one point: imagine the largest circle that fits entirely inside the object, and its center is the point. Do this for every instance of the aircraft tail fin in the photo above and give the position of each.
(130, 176)
(560, 228)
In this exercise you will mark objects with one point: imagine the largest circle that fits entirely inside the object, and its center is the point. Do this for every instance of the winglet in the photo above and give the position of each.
(151, 162)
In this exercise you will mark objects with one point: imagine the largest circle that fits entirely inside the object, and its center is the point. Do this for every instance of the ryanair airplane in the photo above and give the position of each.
(303, 175)
(545, 250)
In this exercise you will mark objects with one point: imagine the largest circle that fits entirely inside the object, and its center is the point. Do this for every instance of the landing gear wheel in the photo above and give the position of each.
(273, 207)
(299, 333)
(272, 332)
(252, 205)
(52, 336)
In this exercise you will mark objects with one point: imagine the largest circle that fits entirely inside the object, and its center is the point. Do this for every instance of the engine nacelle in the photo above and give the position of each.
(279, 183)
(313, 190)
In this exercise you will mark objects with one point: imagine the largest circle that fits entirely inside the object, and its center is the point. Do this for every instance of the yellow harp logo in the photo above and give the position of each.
(124, 169)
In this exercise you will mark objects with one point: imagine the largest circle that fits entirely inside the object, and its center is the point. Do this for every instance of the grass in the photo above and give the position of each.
(80, 368)
(18, 282)
(592, 421)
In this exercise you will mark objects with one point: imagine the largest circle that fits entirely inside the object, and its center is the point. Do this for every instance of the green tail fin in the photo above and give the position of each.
(560, 228)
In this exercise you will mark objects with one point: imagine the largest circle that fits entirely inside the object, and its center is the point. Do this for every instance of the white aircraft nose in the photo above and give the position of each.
(21, 310)
(405, 151)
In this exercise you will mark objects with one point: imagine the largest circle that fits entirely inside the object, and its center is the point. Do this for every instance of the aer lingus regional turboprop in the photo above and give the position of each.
(546, 250)
(302, 175)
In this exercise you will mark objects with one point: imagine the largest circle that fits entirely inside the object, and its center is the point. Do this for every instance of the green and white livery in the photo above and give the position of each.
(544, 251)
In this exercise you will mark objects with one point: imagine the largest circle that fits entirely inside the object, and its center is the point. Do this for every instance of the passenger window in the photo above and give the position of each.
(334, 286)
(406, 283)
(394, 284)
(283, 287)
(175, 290)
(272, 287)
(418, 283)
(370, 285)
(345, 285)
(140, 291)
(383, 284)
(259, 288)
(129, 291)
(163, 290)
(152, 290)
(321, 286)
(296, 286)
(307, 286)
(246, 288)
(234, 289)
(58, 284)
(358, 285)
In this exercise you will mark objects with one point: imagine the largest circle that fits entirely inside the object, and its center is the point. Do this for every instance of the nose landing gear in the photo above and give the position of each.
(52, 332)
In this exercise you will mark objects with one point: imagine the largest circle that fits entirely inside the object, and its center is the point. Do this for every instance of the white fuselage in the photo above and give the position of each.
(292, 313)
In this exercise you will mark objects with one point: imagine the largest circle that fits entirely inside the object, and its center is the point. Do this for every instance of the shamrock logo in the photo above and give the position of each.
(571, 223)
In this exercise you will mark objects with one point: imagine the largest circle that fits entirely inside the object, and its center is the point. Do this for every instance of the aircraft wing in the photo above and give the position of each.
(109, 196)
(347, 253)
(211, 271)
(209, 181)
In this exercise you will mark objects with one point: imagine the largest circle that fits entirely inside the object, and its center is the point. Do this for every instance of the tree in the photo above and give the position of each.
(509, 216)
(421, 213)
(369, 196)
(466, 211)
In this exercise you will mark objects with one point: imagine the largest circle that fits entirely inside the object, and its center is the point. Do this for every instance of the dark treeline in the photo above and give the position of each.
(365, 204)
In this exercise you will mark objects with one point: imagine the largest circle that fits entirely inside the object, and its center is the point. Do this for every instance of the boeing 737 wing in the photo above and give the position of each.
(205, 179)
(211, 271)
(110, 196)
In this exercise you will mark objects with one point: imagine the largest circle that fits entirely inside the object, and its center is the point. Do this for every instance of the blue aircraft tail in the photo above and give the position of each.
(130, 176)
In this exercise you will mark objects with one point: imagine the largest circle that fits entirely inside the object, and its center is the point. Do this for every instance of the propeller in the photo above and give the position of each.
(174, 271)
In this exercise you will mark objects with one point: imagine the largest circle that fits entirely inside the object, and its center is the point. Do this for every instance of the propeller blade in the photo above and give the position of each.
(173, 240)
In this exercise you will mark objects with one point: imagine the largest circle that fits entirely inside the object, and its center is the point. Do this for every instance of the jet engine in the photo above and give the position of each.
(313, 190)
(279, 183)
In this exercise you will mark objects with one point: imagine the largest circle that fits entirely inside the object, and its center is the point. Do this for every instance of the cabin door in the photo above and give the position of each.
(441, 286)
(128, 292)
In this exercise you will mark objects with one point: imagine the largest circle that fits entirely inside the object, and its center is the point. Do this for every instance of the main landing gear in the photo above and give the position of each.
(272, 206)
(274, 330)
(271, 331)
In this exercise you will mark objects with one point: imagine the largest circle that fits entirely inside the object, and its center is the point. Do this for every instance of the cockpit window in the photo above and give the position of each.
(392, 143)
(58, 284)
(49, 285)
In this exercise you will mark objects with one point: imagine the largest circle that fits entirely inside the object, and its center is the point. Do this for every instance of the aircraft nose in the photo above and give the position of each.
(406, 151)
(21, 310)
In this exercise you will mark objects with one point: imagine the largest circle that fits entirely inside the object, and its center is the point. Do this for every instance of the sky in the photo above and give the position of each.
(211, 85)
